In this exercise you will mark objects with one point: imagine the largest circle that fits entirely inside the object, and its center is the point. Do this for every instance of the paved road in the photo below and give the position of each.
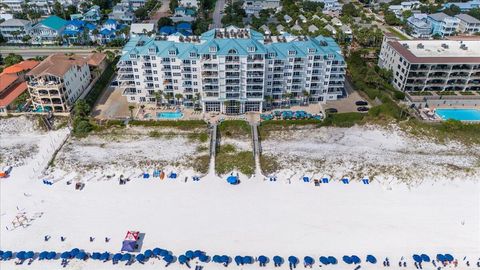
(163, 11)
(32, 52)
(217, 16)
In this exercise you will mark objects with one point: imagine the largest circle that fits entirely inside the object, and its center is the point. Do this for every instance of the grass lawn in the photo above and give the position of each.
(397, 33)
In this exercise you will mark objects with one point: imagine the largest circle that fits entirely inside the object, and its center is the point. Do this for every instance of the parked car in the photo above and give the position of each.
(361, 103)
(331, 110)
(362, 109)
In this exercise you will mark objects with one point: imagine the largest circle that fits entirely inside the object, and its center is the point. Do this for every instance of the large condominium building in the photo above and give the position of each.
(59, 80)
(233, 70)
(432, 65)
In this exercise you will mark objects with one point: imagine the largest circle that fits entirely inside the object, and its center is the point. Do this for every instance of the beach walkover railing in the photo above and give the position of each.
(256, 149)
(213, 148)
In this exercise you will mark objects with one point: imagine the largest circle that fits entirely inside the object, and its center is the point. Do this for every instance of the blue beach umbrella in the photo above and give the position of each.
(263, 259)
(347, 259)
(7, 255)
(203, 258)
(105, 256)
(332, 260)
(308, 260)
(225, 259)
(117, 257)
(29, 255)
(66, 255)
(51, 255)
(164, 253)
(20, 255)
(43, 255)
(371, 259)
(417, 258)
(1, 253)
(140, 258)
(182, 259)
(168, 258)
(324, 260)
(356, 259)
(425, 258)
(238, 260)
(74, 252)
(441, 258)
(217, 259)
(96, 255)
(293, 260)
(148, 253)
(81, 255)
(278, 260)
(157, 251)
(198, 253)
(248, 260)
(190, 254)
(126, 257)
(448, 257)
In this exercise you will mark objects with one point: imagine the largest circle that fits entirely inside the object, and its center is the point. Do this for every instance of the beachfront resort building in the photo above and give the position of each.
(59, 80)
(232, 70)
(432, 65)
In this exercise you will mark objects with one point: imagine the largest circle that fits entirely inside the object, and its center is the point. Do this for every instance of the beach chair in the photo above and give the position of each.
(325, 180)
(306, 179)
(345, 180)
(365, 181)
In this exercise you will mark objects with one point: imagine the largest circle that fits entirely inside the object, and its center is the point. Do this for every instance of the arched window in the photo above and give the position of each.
(232, 51)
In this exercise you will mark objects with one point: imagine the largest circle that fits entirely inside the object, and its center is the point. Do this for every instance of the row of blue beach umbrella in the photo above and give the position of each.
(201, 256)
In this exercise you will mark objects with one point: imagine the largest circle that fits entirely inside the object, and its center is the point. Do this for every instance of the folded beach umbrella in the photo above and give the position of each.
(182, 259)
(308, 260)
(117, 257)
(96, 255)
(29, 255)
(126, 257)
(51, 255)
(248, 260)
(20, 255)
(43, 255)
(7, 255)
(371, 259)
(190, 254)
(203, 258)
(168, 258)
(417, 258)
(238, 260)
(105, 256)
(324, 260)
(140, 257)
(1, 252)
(425, 258)
(448, 257)
(157, 251)
(66, 255)
(356, 259)
(347, 259)
(148, 253)
(332, 260)
(293, 260)
(263, 259)
(441, 258)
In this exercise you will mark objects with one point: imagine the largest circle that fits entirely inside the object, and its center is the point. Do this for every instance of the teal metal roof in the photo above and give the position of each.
(54, 22)
(233, 46)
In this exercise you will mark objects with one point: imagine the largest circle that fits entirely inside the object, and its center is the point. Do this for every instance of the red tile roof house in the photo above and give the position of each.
(12, 84)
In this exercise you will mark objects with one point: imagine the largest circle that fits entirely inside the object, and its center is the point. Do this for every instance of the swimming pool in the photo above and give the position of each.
(169, 115)
(459, 114)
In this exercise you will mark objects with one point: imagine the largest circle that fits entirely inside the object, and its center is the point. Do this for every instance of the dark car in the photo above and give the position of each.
(362, 109)
(331, 110)
(361, 103)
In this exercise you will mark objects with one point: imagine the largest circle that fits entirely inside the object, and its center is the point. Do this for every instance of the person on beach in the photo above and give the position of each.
(62, 238)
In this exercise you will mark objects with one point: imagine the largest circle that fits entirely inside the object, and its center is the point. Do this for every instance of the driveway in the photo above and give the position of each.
(217, 16)
(163, 11)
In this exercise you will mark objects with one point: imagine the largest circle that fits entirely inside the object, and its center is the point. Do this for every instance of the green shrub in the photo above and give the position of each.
(399, 95)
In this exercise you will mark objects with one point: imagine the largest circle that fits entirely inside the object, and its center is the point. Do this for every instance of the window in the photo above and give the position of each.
(213, 49)
(232, 51)
(194, 62)
(172, 52)
(251, 49)
(311, 50)
(291, 52)
(271, 55)
(193, 54)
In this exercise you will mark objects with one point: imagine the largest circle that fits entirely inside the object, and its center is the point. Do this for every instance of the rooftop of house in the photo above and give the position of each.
(22, 66)
(6, 80)
(54, 22)
(58, 64)
(14, 22)
(440, 16)
(467, 18)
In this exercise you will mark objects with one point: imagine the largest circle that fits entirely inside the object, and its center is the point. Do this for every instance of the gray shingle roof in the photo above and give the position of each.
(14, 22)
(438, 16)
(467, 18)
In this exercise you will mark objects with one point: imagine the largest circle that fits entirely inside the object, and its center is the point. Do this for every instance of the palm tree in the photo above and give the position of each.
(178, 97)
(169, 96)
(288, 96)
(130, 108)
(159, 97)
(306, 96)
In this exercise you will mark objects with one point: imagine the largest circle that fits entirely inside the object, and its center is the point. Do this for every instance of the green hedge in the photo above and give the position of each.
(180, 123)
(101, 83)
